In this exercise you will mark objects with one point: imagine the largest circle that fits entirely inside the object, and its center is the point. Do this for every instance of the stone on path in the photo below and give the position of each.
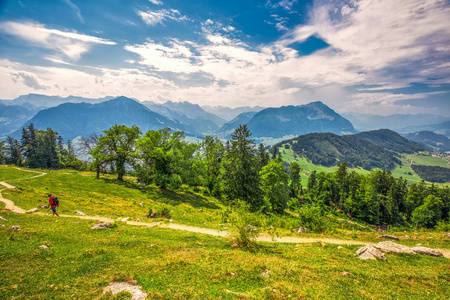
(33, 210)
(3, 219)
(301, 230)
(135, 290)
(370, 252)
(125, 219)
(388, 236)
(101, 226)
(427, 251)
(388, 247)
(78, 212)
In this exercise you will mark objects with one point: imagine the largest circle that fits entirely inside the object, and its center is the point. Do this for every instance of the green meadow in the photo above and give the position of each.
(173, 264)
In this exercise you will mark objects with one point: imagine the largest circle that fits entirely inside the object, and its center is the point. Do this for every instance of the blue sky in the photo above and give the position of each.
(365, 56)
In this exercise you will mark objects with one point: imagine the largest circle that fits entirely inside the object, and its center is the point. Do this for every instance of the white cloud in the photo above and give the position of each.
(159, 16)
(71, 44)
(285, 4)
(156, 2)
(76, 9)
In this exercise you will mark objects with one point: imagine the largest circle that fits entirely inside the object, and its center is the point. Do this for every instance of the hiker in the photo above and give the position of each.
(53, 203)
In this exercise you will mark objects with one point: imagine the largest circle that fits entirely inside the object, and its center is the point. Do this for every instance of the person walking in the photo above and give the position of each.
(53, 203)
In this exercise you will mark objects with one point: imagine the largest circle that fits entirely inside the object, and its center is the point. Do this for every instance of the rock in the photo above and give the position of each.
(340, 247)
(388, 236)
(170, 220)
(200, 210)
(78, 212)
(138, 220)
(132, 288)
(3, 219)
(265, 274)
(427, 251)
(370, 252)
(448, 234)
(302, 229)
(33, 210)
(101, 226)
(321, 243)
(141, 204)
(43, 247)
(15, 227)
(388, 247)
(43, 206)
(153, 214)
(125, 219)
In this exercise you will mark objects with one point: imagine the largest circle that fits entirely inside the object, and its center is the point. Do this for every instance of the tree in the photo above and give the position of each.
(241, 169)
(274, 184)
(14, 151)
(30, 145)
(117, 145)
(295, 185)
(3, 157)
(213, 152)
(429, 213)
(167, 160)
(264, 155)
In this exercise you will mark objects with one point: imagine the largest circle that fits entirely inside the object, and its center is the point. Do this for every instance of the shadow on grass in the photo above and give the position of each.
(166, 196)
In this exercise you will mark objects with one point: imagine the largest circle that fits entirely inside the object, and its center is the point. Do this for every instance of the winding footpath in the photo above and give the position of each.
(262, 238)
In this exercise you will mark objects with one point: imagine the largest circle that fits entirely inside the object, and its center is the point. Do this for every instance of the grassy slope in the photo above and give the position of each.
(179, 265)
(172, 264)
(400, 171)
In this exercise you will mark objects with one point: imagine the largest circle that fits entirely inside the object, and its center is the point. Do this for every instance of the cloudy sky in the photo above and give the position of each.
(365, 56)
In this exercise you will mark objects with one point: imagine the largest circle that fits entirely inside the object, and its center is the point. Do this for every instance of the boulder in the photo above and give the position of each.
(3, 219)
(427, 251)
(80, 213)
(370, 252)
(388, 236)
(101, 226)
(152, 214)
(43, 206)
(302, 229)
(388, 247)
(33, 210)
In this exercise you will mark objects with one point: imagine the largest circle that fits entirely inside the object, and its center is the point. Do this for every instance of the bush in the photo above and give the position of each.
(241, 222)
(313, 218)
(442, 226)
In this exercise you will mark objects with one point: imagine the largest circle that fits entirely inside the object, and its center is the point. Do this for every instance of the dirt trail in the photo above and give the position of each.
(262, 238)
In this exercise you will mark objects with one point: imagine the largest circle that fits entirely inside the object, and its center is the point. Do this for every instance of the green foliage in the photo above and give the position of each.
(241, 169)
(274, 185)
(242, 221)
(314, 218)
(117, 145)
(429, 213)
(442, 226)
(432, 173)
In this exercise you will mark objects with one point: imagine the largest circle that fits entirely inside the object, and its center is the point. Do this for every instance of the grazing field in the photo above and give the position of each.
(428, 160)
(173, 264)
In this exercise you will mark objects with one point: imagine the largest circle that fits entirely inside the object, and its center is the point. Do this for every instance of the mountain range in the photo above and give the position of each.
(77, 116)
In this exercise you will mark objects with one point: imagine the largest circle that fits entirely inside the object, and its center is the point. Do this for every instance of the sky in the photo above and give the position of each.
(357, 56)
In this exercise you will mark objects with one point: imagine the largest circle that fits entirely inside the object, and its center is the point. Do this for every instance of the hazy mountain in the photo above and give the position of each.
(43, 101)
(328, 149)
(80, 119)
(199, 126)
(393, 122)
(228, 128)
(12, 117)
(194, 111)
(434, 141)
(298, 120)
(390, 140)
(228, 113)
(441, 128)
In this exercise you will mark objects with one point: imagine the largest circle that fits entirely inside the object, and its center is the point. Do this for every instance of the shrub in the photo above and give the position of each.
(313, 218)
(240, 218)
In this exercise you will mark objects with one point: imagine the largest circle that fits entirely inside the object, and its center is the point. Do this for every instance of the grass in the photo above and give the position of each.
(428, 160)
(172, 264)
(179, 265)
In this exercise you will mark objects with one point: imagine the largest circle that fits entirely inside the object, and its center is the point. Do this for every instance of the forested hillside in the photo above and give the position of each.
(329, 149)
(391, 140)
